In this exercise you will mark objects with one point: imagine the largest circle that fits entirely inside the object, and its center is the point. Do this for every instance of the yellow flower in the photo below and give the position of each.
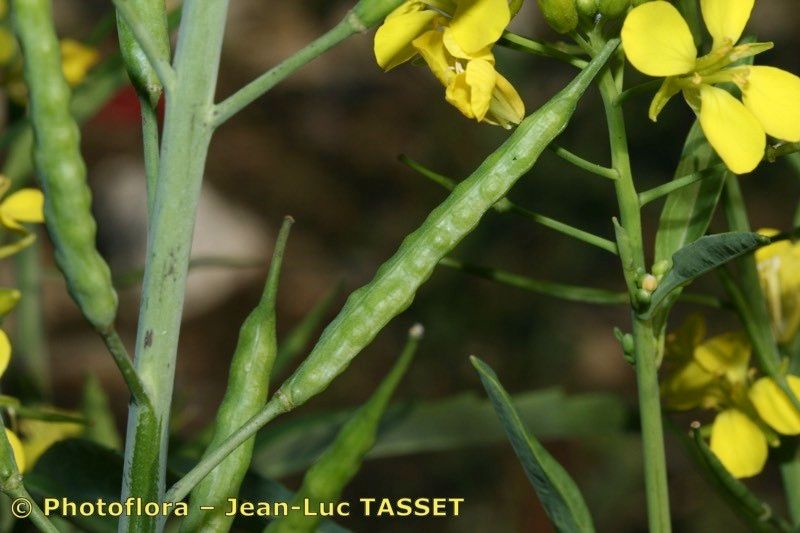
(23, 206)
(658, 42)
(5, 352)
(17, 449)
(77, 59)
(455, 39)
(739, 443)
(774, 407)
(779, 270)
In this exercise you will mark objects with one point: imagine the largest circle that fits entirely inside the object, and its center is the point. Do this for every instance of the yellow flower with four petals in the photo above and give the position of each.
(658, 42)
(715, 374)
(455, 38)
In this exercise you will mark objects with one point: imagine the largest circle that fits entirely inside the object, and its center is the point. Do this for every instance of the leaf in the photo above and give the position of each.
(101, 427)
(452, 423)
(560, 497)
(688, 211)
(703, 256)
(80, 471)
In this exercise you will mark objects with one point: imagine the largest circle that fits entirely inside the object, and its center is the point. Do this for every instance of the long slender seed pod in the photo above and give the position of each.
(60, 166)
(248, 384)
(152, 14)
(371, 307)
(340, 462)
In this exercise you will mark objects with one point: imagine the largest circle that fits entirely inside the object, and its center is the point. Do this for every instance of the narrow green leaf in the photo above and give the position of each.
(755, 513)
(325, 480)
(454, 423)
(558, 493)
(688, 211)
(703, 256)
(101, 427)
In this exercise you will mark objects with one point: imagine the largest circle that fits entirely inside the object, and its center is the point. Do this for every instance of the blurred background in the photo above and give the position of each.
(323, 148)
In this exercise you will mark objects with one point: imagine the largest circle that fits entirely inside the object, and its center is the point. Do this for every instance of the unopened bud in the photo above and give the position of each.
(661, 268)
(587, 8)
(649, 283)
(613, 8)
(561, 15)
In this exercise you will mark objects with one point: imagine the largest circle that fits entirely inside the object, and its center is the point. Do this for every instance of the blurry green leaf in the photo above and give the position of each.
(81, 471)
(703, 256)
(452, 423)
(560, 497)
(756, 514)
(688, 211)
(101, 427)
(341, 461)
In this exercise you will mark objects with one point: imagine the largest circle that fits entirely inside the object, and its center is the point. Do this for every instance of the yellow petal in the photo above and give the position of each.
(25, 205)
(691, 386)
(481, 78)
(657, 41)
(393, 40)
(726, 19)
(455, 49)
(681, 343)
(725, 355)
(458, 94)
(41, 435)
(773, 96)
(76, 60)
(431, 48)
(507, 107)
(779, 272)
(16, 448)
(478, 23)
(774, 407)
(9, 298)
(733, 131)
(738, 443)
(5, 352)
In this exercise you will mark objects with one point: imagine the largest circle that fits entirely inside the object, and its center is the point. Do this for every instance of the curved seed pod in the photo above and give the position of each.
(327, 477)
(248, 384)
(153, 16)
(60, 166)
(371, 307)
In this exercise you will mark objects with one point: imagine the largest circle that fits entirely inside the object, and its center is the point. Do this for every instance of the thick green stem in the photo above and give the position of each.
(790, 474)
(646, 337)
(187, 133)
(151, 148)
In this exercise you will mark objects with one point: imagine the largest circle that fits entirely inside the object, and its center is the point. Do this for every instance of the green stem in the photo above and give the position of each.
(123, 361)
(507, 206)
(523, 44)
(664, 189)
(30, 343)
(646, 337)
(223, 111)
(186, 137)
(578, 161)
(643, 88)
(151, 148)
(790, 474)
(14, 488)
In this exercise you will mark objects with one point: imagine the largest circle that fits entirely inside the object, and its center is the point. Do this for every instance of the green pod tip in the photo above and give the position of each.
(561, 15)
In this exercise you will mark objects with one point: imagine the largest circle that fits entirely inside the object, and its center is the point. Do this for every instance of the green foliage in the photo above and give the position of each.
(152, 14)
(560, 497)
(703, 256)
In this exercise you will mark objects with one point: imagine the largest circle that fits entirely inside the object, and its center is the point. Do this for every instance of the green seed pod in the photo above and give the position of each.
(153, 16)
(561, 15)
(340, 462)
(248, 384)
(392, 290)
(60, 166)
(613, 8)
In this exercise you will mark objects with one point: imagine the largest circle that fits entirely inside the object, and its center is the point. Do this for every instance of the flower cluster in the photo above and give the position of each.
(658, 42)
(715, 374)
(455, 38)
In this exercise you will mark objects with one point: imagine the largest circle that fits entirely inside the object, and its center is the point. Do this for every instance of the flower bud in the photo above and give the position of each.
(587, 8)
(613, 8)
(649, 283)
(561, 15)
